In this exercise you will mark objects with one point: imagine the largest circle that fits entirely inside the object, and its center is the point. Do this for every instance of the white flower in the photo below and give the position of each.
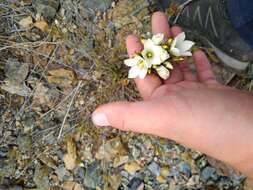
(158, 38)
(139, 67)
(163, 72)
(154, 54)
(180, 46)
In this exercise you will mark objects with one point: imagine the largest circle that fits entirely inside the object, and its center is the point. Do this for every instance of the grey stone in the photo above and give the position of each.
(225, 183)
(61, 172)
(79, 174)
(125, 174)
(3, 152)
(2, 187)
(88, 43)
(24, 143)
(16, 71)
(209, 173)
(41, 177)
(100, 5)
(136, 152)
(154, 168)
(237, 179)
(201, 162)
(47, 8)
(185, 169)
(134, 184)
(16, 88)
(92, 176)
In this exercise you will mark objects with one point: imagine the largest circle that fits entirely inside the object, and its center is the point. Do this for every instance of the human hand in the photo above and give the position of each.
(195, 111)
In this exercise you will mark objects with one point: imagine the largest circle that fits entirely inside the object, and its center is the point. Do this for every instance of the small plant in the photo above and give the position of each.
(158, 56)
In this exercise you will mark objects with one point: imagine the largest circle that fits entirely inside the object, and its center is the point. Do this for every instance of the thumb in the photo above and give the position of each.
(150, 117)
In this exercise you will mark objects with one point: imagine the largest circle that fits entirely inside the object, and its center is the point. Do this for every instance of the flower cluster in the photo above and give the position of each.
(158, 55)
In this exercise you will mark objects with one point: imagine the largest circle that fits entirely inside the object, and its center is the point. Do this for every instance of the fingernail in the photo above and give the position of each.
(100, 120)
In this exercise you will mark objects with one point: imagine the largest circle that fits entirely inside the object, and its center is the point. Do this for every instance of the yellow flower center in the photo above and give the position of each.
(165, 46)
(170, 40)
(149, 54)
(141, 64)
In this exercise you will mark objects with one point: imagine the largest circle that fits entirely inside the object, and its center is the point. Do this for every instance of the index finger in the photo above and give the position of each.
(160, 24)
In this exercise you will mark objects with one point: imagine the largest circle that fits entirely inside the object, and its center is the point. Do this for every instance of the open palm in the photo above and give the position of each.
(194, 110)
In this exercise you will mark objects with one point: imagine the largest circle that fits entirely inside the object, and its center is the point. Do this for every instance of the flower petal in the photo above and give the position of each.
(175, 51)
(156, 60)
(163, 72)
(164, 55)
(173, 44)
(180, 37)
(186, 54)
(143, 73)
(185, 46)
(130, 62)
(148, 44)
(133, 72)
(144, 52)
(158, 38)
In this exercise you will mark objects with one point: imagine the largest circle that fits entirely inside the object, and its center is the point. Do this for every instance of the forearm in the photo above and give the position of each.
(232, 141)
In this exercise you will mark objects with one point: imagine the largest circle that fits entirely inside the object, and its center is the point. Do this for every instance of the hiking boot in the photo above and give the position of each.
(209, 21)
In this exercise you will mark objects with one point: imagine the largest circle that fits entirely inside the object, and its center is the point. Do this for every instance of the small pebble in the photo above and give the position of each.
(185, 169)
(154, 168)
(209, 173)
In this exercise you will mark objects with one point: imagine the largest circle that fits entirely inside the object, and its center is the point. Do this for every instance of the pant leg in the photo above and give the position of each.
(246, 32)
(241, 15)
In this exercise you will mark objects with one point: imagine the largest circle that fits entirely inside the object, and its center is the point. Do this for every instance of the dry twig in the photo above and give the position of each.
(69, 107)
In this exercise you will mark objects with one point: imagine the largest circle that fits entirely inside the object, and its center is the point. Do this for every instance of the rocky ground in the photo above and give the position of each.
(58, 61)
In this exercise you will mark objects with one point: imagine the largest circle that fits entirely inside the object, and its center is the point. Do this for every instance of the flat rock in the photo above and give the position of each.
(154, 168)
(47, 8)
(41, 177)
(100, 5)
(16, 71)
(209, 173)
(92, 177)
